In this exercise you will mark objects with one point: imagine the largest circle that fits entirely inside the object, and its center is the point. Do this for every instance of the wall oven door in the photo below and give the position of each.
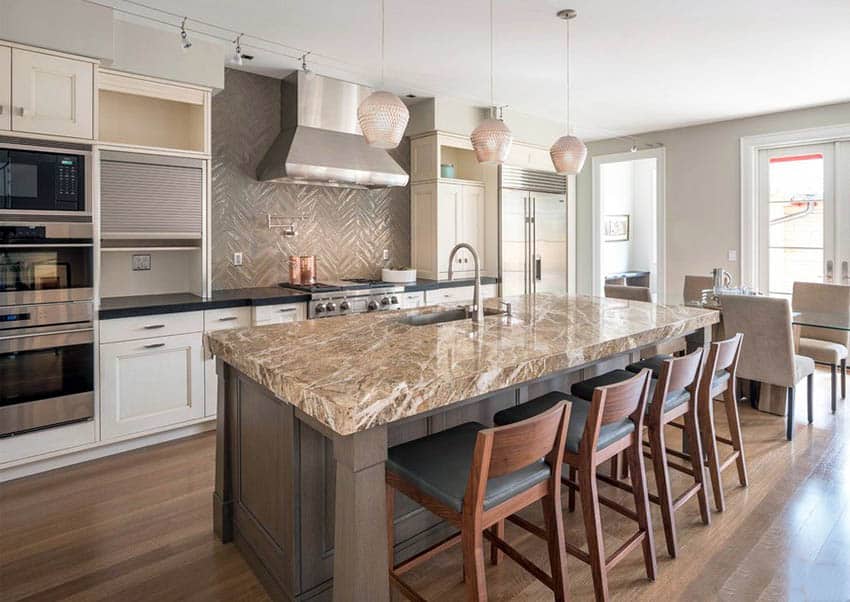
(44, 180)
(45, 263)
(46, 378)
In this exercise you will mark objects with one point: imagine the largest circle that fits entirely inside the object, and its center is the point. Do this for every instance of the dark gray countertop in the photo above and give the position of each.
(149, 305)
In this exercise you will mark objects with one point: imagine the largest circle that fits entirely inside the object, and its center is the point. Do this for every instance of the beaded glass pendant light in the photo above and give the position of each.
(492, 139)
(382, 115)
(569, 152)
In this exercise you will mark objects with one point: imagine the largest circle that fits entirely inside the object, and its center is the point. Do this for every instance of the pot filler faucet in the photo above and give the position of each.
(477, 306)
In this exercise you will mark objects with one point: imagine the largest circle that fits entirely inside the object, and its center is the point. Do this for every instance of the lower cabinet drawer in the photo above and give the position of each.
(142, 327)
(279, 314)
(409, 300)
(460, 294)
(223, 319)
(150, 384)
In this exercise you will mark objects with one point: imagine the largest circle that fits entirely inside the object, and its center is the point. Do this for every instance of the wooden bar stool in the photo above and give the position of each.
(474, 477)
(718, 378)
(673, 395)
(600, 429)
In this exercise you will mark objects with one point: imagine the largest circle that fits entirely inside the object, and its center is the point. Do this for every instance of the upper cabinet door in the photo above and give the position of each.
(470, 226)
(5, 88)
(51, 95)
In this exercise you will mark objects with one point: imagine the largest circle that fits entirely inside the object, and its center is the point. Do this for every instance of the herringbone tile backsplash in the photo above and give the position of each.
(347, 230)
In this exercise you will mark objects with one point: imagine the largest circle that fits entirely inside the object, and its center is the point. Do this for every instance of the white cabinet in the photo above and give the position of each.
(411, 300)
(52, 94)
(143, 327)
(5, 88)
(279, 314)
(444, 213)
(219, 319)
(530, 157)
(150, 383)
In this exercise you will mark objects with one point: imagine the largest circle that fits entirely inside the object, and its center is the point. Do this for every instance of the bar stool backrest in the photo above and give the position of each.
(505, 449)
(723, 355)
(676, 374)
(614, 403)
(631, 293)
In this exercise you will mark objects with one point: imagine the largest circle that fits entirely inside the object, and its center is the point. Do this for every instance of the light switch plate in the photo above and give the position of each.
(141, 263)
(732, 255)
(386, 254)
(237, 259)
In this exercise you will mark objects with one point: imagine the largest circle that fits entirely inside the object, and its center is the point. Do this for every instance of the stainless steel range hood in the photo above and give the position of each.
(320, 140)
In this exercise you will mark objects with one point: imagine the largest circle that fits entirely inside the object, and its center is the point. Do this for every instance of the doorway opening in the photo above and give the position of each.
(628, 223)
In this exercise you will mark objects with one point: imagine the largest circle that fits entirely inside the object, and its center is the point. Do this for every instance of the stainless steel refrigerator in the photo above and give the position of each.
(532, 231)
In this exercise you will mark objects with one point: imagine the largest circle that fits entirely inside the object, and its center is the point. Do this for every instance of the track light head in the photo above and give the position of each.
(237, 54)
(185, 42)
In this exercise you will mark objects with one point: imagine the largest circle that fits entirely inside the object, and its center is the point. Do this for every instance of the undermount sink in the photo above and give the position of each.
(449, 315)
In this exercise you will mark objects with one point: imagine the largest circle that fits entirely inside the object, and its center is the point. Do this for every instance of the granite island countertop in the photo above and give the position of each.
(355, 372)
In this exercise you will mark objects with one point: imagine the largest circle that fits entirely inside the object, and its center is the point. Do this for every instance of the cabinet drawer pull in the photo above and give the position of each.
(153, 326)
(154, 345)
(286, 310)
(227, 319)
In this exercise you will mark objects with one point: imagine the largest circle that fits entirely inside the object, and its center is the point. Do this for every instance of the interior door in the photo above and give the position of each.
(549, 261)
(514, 247)
(797, 217)
(5, 88)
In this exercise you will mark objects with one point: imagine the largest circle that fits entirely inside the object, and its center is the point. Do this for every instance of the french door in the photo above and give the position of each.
(804, 216)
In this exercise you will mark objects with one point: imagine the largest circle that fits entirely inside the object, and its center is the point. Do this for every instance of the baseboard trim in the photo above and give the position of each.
(102, 450)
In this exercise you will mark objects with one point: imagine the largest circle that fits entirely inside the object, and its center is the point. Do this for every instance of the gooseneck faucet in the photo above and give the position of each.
(477, 306)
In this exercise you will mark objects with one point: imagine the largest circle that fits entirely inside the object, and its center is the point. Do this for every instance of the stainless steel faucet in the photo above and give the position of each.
(477, 306)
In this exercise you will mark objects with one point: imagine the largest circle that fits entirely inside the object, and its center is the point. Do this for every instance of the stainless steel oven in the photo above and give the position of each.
(45, 262)
(46, 366)
(44, 180)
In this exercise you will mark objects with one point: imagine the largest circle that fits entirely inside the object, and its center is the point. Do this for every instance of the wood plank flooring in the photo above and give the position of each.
(139, 527)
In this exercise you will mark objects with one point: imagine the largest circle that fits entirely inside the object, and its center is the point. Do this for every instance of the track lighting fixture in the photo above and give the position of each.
(185, 42)
(237, 54)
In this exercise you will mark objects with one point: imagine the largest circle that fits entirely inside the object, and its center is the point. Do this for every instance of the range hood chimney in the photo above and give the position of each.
(320, 140)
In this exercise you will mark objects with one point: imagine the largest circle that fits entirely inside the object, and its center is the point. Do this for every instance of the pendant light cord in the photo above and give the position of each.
(492, 95)
(567, 55)
(383, 36)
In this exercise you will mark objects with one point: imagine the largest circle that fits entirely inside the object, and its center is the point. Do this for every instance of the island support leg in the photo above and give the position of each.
(360, 533)
(223, 494)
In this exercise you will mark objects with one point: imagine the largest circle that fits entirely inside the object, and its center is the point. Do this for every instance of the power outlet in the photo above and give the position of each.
(386, 254)
(237, 259)
(141, 263)
(732, 255)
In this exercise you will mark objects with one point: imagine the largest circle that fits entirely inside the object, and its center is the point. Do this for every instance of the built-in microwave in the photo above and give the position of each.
(38, 180)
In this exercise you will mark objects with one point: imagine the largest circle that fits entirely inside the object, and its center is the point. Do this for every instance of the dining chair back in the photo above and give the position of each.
(694, 285)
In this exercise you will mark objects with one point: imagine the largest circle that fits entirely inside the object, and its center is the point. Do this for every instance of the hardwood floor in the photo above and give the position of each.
(139, 527)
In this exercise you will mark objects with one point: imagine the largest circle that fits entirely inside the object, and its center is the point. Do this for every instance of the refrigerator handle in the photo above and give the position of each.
(525, 225)
(537, 266)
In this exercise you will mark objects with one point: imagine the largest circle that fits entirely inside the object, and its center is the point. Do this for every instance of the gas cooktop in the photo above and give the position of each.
(339, 285)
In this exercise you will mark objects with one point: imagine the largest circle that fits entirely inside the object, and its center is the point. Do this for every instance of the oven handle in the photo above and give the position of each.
(46, 340)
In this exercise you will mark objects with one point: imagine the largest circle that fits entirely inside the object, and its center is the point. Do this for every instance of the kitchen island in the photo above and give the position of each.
(307, 411)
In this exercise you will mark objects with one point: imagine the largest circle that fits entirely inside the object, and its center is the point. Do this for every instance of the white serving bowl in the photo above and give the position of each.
(398, 276)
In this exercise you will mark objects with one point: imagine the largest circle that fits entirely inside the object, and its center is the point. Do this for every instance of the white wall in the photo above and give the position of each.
(703, 190)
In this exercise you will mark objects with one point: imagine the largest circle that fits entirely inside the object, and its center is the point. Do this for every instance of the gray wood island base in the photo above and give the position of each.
(304, 422)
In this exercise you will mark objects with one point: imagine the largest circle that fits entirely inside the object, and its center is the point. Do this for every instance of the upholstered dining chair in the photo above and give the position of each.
(823, 345)
(694, 285)
(767, 353)
(642, 293)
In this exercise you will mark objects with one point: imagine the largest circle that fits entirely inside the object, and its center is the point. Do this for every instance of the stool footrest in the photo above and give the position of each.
(729, 461)
(520, 559)
(686, 495)
(621, 552)
(577, 552)
(723, 440)
(527, 525)
(405, 589)
(427, 554)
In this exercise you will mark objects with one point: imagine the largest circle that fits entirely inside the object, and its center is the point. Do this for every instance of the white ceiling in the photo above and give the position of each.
(637, 66)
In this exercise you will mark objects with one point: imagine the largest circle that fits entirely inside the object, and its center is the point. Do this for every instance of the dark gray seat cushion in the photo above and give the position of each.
(608, 434)
(439, 466)
(654, 364)
(584, 389)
